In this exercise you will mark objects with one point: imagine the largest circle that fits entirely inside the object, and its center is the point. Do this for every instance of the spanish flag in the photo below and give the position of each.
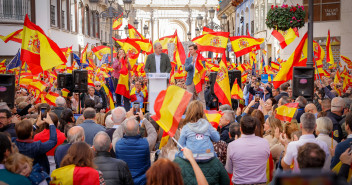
(344, 72)
(346, 83)
(65, 92)
(15, 36)
(222, 84)
(74, 175)
(295, 59)
(100, 51)
(213, 117)
(84, 55)
(211, 66)
(164, 139)
(244, 44)
(275, 66)
(236, 91)
(109, 95)
(286, 112)
(133, 33)
(131, 48)
(50, 98)
(38, 85)
(329, 56)
(66, 51)
(214, 41)
(242, 68)
(270, 169)
(164, 41)
(285, 37)
(244, 78)
(145, 45)
(38, 50)
(199, 73)
(179, 52)
(117, 22)
(319, 52)
(346, 60)
(122, 85)
(206, 30)
(169, 107)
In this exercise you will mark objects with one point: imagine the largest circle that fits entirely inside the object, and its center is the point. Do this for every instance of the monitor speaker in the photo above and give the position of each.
(212, 79)
(303, 82)
(80, 80)
(7, 89)
(65, 80)
(233, 75)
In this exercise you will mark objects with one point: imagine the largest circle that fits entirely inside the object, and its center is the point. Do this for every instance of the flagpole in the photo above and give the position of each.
(177, 142)
(19, 75)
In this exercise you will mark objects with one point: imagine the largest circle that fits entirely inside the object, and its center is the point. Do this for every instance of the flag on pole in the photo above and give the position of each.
(236, 91)
(242, 45)
(133, 33)
(329, 56)
(66, 51)
(164, 41)
(100, 51)
(15, 36)
(65, 92)
(15, 62)
(50, 98)
(179, 52)
(206, 30)
(38, 50)
(131, 48)
(346, 60)
(285, 37)
(214, 41)
(199, 72)
(117, 22)
(213, 117)
(286, 112)
(222, 84)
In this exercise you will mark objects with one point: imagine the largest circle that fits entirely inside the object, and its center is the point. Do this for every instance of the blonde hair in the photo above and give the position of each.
(14, 161)
(194, 112)
(100, 118)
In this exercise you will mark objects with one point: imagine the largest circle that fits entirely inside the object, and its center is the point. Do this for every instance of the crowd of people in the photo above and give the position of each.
(43, 144)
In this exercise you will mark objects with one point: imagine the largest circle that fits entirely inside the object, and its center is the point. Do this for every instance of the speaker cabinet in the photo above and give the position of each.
(7, 89)
(65, 80)
(233, 75)
(80, 80)
(303, 82)
(212, 79)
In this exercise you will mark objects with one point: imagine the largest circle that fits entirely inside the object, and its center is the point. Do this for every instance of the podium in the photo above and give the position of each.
(157, 82)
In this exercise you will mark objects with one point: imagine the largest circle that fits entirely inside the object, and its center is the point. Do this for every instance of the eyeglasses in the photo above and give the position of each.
(3, 117)
(97, 86)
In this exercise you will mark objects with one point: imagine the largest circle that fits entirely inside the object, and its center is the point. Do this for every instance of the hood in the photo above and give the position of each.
(201, 126)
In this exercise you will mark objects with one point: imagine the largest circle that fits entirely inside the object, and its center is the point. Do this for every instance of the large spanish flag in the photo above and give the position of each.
(131, 48)
(179, 51)
(145, 45)
(100, 51)
(133, 33)
(244, 44)
(122, 87)
(222, 84)
(214, 41)
(329, 56)
(164, 41)
(206, 30)
(285, 37)
(169, 107)
(38, 50)
(74, 175)
(236, 91)
(286, 112)
(15, 36)
(213, 117)
(298, 55)
(117, 22)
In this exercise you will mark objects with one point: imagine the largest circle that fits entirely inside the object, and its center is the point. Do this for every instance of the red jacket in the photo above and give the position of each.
(44, 136)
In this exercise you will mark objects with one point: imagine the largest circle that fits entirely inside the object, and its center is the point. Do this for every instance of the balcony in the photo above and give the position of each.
(224, 4)
(14, 10)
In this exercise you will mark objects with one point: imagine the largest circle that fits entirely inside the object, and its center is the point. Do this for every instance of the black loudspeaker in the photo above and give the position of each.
(303, 82)
(7, 89)
(212, 79)
(233, 75)
(65, 80)
(80, 80)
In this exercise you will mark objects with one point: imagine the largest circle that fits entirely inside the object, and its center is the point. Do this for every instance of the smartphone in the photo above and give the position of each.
(136, 108)
(43, 111)
(257, 98)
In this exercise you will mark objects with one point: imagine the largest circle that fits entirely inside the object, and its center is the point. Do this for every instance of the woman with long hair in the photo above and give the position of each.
(77, 166)
(66, 118)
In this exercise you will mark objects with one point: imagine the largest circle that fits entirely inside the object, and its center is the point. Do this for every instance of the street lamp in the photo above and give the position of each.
(126, 31)
(145, 29)
(211, 14)
(200, 21)
(135, 22)
(189, 35)
(223, 21)
(127, 6)
(197, 31)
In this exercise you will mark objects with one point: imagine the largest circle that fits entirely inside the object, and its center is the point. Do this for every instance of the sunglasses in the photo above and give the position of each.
(97, 86)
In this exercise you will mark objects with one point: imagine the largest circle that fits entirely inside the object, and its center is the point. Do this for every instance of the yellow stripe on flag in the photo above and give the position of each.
(286, 112)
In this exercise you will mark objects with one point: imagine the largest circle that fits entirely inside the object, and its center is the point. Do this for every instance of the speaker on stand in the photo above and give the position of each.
(303, 82)
(7, 89)
(65, 80)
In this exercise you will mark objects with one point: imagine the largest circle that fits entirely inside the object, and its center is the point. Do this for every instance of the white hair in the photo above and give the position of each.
(108, 121)
(337, 104)
(118, 115)
(97, 83)
(156, 44)
(60, 101)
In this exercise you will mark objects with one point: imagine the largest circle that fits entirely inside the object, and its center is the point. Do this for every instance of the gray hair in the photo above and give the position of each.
(101, 142)
(156, 44)
(89, 113)
(118, 115)
(324, 125)
(75, 134)
(229, 115)
(284, 100)
(108, 122)
(97, 83)
(302, 102)
(337, 104)
(225, 107)
(131, 130)
(60, 101)
(308, 122)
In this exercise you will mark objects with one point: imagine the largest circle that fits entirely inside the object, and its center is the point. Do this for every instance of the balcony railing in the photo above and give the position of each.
(14, 10)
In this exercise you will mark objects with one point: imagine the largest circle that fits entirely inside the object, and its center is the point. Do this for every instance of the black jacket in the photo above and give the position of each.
(224, 133)
(101, 93)
(338, 135)
(277, 98)
(10, 128)
(115, 171)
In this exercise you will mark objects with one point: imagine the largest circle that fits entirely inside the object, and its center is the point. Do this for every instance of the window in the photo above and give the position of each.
(257, 18)
(80, 18)
(73, 13)
(262, 14)
(64, 10)
(324, 10)
(86, 20)
(53, 12)
(252, 27)
(92, 23)
(15, 9)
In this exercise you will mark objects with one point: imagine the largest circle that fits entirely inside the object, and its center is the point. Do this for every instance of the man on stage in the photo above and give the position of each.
(158, 62)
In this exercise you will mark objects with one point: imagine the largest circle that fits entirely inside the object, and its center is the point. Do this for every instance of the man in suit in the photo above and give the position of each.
(92, 96)
(157, 62)
(190, 67)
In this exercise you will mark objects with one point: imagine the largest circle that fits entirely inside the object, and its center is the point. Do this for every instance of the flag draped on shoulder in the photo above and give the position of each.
(169, 107)
(117, 22)
(242, 45)
(38, 50)
(285, 37)
(286, 112)
(74, 175)
(214, 41)
(295, 59)
(122, 87)
(15, 36)
(222, 83)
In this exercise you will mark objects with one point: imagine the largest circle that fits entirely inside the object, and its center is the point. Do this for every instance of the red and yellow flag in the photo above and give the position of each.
(285, 37)
(329, 56)
(117, 22)
(122, 85)
(169, 107)
(164, 41)
(65, 92)
(15, 36)
(206, 30)
(222, 84)
(133, 33)
(179, 52)
(346, 60)
(214, 41)
(337, 78)
(38, 85)
(213, 117)
(270, 168)
(295, 59)
(131, 48)
(236, 91)
(145, 45)
(66, 51)
(275, 66)
(244, 44)
(244, 78)
(286, 112)
(38, 50)
(50, 98)
(74, 175)
(199, 72)
(84, 55)
(100, 51)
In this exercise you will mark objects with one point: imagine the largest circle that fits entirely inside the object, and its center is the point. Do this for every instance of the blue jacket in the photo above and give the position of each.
(60, 153)
(340, 148)
(37, 150)
(198, 136)
(90, 129)
(189, 67)
(134, 150)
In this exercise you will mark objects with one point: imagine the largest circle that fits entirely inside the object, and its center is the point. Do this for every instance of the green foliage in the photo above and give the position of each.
(285, 17)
